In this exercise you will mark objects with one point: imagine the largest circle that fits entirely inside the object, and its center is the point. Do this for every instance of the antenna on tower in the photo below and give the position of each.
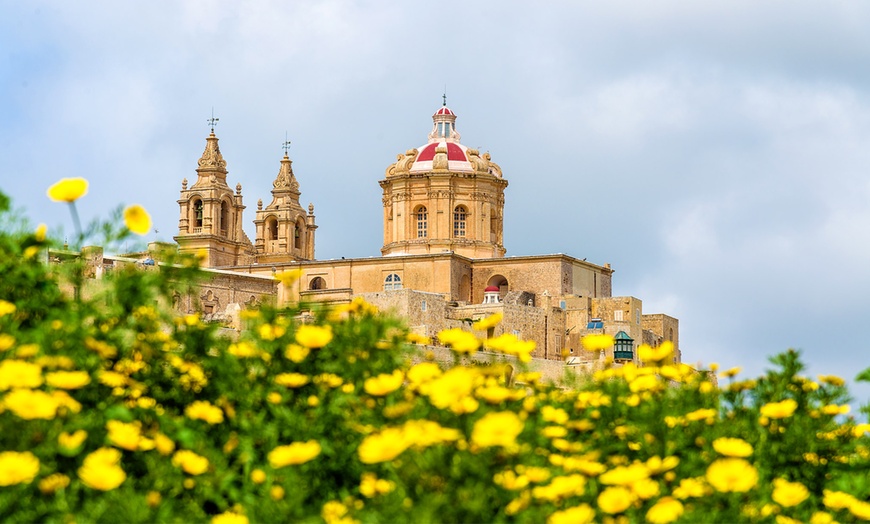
(286, 144)
(212, 121)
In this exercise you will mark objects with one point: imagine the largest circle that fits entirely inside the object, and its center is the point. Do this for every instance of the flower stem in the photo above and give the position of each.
(76, 222)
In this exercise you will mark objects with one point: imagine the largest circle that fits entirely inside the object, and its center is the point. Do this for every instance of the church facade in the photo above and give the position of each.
(443, 260)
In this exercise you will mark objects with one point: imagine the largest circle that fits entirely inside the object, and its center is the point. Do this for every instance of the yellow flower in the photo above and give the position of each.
(243, 349)
(296, 353)
(18, 468)
(202, 410)
(258, 476)
(68, 189)
(276, 493)
(597, 342)
(124, 435)
(614, 499)
(625, 475)
(451, 387)
(691, 488)
(837, 499)
(164, 444)
(557, 415)
(333, 511)
(113, 379)
(68, 379)
(782, 519)
(820, 517)
(732, 475)
(497, 429)
(53, 482)
(489, 322)
(386, 445)
(137, 219)
(292, 380)
(31, 404)
(416, 338)
(19, 374)
(313, 336)
(271, 331)
(732, 447)
(788, 494)
(833, 409)
(190, 462)
(384, 383)
(289, 277)
(779, 409)
(229, 517)
(560, 487)
(582, 514)
(860, 509)
(667, 509)
(459, 340)
(701, 414)
(101, 470)
(370, 485)
(422, 373)
(71, 441)
(832, 380)
(6, 342)
(295, 453)
(6, 308)
(649, 354)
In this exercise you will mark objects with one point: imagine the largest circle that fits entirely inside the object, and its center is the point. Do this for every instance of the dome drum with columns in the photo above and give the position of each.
(443, 196)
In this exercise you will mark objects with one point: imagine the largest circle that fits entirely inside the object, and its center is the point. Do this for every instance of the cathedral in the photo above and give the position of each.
(443, 260)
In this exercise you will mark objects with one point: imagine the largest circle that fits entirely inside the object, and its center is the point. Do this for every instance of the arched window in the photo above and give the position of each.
(297, 236)
(197, 213)
(459, 216)
(225, 218)
(392, 282)
(317, 283)
(422, 218)
(271, 228)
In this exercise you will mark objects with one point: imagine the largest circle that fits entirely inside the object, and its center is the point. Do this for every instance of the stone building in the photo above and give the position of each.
(443, 260)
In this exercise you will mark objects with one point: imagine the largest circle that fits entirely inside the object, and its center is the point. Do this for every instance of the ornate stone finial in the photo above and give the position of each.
(238, 189)
(212, 157)
(285, 178)
(310, 208)
(259, 204)
(184, 184)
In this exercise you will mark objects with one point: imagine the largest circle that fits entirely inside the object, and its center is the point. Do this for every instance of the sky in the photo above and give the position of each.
(715, 153)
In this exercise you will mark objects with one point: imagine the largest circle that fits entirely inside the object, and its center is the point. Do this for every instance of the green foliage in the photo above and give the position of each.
(420, 449)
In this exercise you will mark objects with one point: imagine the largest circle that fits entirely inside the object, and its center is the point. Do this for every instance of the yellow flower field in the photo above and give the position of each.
(113, 407)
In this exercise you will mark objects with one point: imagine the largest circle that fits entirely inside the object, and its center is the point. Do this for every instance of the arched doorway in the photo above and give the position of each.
(501, 282)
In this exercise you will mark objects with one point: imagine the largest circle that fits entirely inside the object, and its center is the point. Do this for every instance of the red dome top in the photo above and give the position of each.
(454, 152)
(444, 110)
(491, 289)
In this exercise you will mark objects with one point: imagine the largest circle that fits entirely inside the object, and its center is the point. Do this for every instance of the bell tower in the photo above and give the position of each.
(443, 196)
(285, 231)
(211, 213)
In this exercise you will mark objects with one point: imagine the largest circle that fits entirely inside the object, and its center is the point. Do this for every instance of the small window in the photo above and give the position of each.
(422, 218)
(637, 316)
(423, 306)
(562, 304)
(392, 282)
(459, 218)
(617, 315)
(516, 333)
